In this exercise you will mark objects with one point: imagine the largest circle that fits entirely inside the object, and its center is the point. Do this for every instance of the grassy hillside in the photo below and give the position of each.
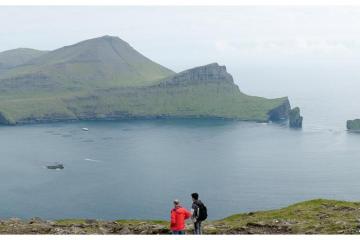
(19, 56)
(96, 63)
(206, 100)
(105, 78)
(311, 217)
(318, 216)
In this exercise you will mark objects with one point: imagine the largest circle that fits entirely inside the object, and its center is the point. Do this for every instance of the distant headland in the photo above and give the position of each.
(105, 78)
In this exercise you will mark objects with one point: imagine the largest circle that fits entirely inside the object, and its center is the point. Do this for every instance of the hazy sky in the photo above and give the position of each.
(182, 37)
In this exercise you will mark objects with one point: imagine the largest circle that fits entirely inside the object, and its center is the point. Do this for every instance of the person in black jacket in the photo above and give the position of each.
(195, 209)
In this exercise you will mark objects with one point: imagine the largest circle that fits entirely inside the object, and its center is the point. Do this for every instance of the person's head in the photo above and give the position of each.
(176, 202)
(195, 196)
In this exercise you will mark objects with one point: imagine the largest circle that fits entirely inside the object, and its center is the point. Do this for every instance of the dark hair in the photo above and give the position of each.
(195, 196)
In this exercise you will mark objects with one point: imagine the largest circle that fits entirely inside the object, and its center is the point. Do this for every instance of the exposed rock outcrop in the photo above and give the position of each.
(211, 73)
(4, 120)
(295, 119)
(353, 125)
(281, 112)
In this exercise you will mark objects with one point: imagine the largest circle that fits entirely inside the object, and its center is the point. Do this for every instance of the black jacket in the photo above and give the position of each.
(195, 207)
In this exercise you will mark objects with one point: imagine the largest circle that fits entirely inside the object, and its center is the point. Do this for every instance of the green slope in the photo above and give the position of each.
(16, 57)
(215, 96)
(318, 216)
(105, 78)
(96, 63)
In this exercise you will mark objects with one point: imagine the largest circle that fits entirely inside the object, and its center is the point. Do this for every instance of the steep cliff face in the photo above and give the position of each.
(295, 119)
(4, 120)
(211, 73)
(281, 112)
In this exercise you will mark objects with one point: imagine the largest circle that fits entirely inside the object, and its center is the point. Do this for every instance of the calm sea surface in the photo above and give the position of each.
(134, 169)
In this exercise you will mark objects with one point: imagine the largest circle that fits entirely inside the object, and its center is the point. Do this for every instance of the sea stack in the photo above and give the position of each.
(353, 125)
(295, 119)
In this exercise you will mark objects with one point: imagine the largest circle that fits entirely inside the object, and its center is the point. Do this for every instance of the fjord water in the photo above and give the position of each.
(134, 169)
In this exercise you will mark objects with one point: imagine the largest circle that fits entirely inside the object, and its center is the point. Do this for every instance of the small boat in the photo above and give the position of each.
(85, 129)
(55, 166)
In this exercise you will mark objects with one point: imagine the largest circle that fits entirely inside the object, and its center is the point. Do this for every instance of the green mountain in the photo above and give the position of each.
(105, 78)
(16, 57)
(95, 63)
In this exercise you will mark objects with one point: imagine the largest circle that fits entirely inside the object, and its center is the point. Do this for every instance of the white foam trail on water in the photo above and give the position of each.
(91, 160)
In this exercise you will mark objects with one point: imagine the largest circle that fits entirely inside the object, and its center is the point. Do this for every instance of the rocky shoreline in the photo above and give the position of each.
(311, 217)
(80, 226)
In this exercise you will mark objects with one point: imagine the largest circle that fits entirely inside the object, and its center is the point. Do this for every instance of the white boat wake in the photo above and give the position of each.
(91, 160)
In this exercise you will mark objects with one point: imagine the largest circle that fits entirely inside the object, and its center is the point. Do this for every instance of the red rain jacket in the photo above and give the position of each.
(178, 217)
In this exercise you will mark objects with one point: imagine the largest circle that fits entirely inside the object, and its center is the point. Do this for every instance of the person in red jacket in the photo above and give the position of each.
(178, 217)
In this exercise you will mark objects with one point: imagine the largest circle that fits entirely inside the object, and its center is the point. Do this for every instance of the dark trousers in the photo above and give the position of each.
(178, 232)
(197, 228)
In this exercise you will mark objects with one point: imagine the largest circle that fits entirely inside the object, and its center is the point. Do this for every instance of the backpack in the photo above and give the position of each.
(202, 212)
